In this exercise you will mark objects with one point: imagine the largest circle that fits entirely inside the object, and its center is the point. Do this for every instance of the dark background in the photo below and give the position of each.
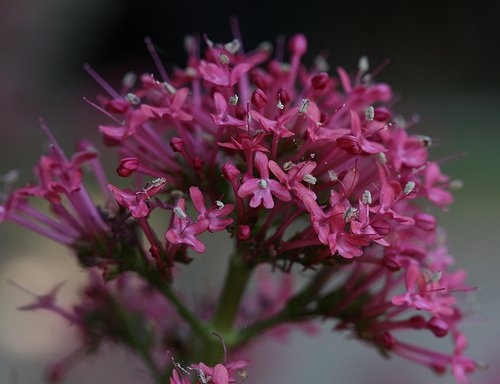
(444, 65)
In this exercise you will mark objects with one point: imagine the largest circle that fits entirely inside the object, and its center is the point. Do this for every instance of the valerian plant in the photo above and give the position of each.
(305, 170)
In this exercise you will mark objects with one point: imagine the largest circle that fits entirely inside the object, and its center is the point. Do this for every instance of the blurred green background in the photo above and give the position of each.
(444, 67)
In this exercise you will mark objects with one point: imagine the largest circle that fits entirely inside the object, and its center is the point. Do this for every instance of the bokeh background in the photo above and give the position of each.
(444, 66)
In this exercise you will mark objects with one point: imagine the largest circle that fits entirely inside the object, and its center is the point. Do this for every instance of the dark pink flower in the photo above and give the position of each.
(263, 188)
(136, 202)
(184, 232)
(357, 143)
(214, 215)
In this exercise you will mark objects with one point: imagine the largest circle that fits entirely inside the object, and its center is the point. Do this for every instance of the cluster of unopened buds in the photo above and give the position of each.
(303, 169)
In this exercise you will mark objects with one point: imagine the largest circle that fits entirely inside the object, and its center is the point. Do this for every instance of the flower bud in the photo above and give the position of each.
(177, 144)
(298, 44)
(425, 221)
(417, 322)
(230, 172)
(259, 98)
(438, 327)
(261, 79)
(382, 227)
(380, 92)
(381, 114)
(117, 106)
(392, 264)
(127, 166)
(197, 163)
(320, 81)
(284, 96)
(243, 232)
(387, 340)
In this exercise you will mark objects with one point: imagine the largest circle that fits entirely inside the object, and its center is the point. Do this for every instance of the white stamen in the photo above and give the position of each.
(321, 64)
(285, 67)
(304, 104)
(219, 204)
(456, 184)
(309, 179)
(382, 159)
(132, 99)
(189, 41)
(426, 140)
(223, 59)
(262, 184)
(176, 193)
(233, 100)
(158, 182)
(332, 175)
(233, 46)
(409, 187)
(129, 80)
(10, 177)
(312, 155)
(265, 46)
(436, 276)
(288, 165)
(367, 197)
(209, 42)
(370, 113)
(363, 64)
(280, 104)
(180, 213)
(169, 87)
(191, 72)
(349, 213)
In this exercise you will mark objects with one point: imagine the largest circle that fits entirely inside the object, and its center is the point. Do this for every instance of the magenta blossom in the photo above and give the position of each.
(263, 188)
(305, 170)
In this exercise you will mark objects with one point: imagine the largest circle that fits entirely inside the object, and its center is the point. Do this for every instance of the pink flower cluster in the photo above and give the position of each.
(300, 167)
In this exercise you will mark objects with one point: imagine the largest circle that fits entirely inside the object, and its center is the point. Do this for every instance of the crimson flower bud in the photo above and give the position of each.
(320, 81)
(417, 322)
(438, 327)
(243, 232)
(284, 96)
(127, 166)
(230, 172)
(387, 340)
(425, 221)
(382, 114)
(259, 98)
(117, 106)
(261, 80)
(197, 163)
(177, 144)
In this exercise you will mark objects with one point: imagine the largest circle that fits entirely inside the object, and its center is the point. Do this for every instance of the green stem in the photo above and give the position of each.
(236, 281)
(294, 309)
(194, 322)
(197, 326)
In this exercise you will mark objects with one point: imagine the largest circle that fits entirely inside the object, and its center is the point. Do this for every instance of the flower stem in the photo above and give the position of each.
(197, 326)
(294, 309)
(237, 278)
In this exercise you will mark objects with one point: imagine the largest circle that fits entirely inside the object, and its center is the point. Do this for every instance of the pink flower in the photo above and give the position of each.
(434, 183)
(172, 108)
(220, 74)
(220, 373)
(184, 232)
(263, 188)
(214, 215)
(135, 202)
(357, 143)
